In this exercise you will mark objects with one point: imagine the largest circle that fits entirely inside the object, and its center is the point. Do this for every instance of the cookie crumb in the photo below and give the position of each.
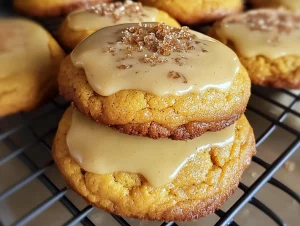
(254, 175)
(290, 166)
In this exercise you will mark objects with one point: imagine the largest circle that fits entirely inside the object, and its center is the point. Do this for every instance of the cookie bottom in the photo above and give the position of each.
(187, 131)
(200, 187)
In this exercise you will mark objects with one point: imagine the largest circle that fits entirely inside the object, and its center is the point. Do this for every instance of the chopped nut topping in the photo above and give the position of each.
(160, 39)
(177, 75)
(281, 21)
(117, 9)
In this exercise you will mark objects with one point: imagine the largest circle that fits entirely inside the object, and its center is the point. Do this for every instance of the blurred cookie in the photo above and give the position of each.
(267, 43)
(82, 23)
(287, 4)
(50, 8)
(156, 81)
(29, 63)
(113, 171)
(197, 11)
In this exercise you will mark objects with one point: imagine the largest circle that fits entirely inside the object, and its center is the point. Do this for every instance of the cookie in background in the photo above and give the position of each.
(81, 23)
(287, 4)
(197, 11)
(29, 63)
(267, 43)
(51, 8)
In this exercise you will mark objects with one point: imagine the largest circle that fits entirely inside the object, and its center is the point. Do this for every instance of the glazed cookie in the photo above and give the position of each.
(156, 81)
(50, 8)
(288, 4)
(197, 11)
(140, 177)
(29, 63)
(82, 23)
(267, 43)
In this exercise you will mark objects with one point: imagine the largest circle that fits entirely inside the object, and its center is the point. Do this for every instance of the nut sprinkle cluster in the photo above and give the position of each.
(280, 21)
(159, 39)
(117, 9)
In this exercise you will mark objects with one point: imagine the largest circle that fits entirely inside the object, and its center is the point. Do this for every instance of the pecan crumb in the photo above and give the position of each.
(124, 67)
(180, 60)
(177, 75)
(109, 49)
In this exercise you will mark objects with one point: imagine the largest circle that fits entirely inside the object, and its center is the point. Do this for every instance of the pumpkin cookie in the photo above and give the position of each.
(267, 43)
(82, 23)
(287, 4)
(201, 184)
(29, 63)
(50, 8)
(156, 94)
(157, 81)
(197, 11)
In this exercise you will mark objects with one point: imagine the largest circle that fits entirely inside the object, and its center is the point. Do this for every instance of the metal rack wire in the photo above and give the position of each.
(11, 126)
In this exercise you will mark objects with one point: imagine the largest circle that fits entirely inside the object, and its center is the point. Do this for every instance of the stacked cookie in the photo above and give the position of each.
(156, 129)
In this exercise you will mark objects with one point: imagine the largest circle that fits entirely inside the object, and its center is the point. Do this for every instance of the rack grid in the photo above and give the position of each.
(12, 125)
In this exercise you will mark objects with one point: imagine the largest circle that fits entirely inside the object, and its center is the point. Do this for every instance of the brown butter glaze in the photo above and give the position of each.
(266, 32)
(154, 58)
(159, 161)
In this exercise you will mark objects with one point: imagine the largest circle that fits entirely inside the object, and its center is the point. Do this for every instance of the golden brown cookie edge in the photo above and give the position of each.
(184, 132)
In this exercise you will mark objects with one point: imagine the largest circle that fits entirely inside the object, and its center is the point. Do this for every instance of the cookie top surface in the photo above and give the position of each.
(267, 32)
(109, 14)
(23, 48)
(158, 161)
(154, 58)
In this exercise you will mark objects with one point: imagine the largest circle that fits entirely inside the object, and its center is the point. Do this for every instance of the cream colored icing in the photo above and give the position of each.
(101, 150)
(23, 48)
(215, 67)
(250, 42)
(87, 20)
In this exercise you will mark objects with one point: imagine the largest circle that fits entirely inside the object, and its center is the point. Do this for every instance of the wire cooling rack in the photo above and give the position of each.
(26, 139)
